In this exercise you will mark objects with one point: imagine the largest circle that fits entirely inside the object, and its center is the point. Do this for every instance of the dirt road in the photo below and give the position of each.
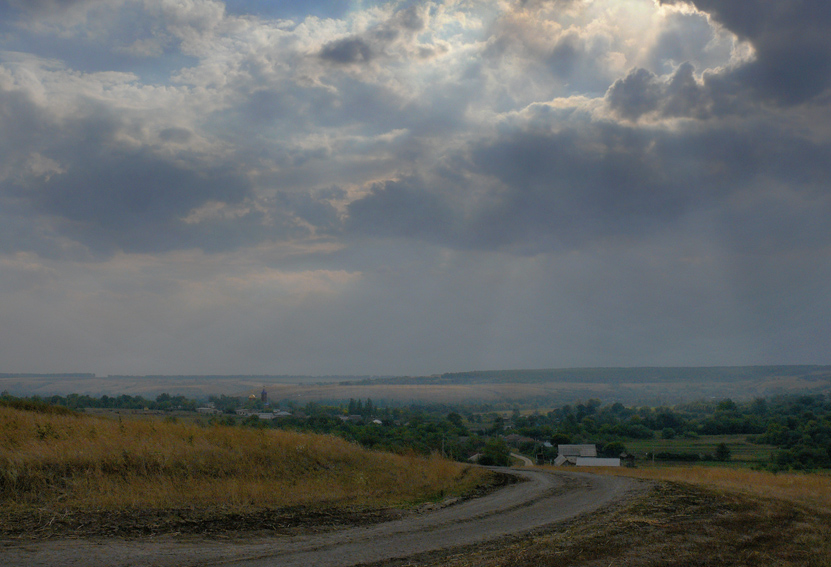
(544, 499)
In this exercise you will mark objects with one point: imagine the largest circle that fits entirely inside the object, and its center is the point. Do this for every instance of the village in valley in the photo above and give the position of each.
(777, 434)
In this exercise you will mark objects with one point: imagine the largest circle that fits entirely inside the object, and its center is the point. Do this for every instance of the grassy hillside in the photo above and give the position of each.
(59, 464)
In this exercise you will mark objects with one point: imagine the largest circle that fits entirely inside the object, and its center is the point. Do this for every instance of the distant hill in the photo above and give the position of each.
(621, 375)
(498, 389)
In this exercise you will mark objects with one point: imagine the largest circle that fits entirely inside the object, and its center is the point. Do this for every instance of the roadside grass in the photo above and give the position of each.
(812, 490)
(53, 465)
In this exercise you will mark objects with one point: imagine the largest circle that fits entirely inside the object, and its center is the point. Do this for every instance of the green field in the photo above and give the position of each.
(742, 452)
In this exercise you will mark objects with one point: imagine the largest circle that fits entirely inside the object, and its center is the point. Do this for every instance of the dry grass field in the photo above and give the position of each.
(72, 466)
(808, 490)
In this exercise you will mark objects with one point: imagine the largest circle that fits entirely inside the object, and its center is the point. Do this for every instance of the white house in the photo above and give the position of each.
(582, 456)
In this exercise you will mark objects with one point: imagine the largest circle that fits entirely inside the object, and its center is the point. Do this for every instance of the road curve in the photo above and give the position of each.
(526, 462)
(544, 498)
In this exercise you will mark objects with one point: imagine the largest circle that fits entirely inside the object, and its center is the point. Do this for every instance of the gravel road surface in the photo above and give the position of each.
(544, 498)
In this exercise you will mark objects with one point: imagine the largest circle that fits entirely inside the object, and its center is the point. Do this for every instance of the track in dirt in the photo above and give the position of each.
(544, 498)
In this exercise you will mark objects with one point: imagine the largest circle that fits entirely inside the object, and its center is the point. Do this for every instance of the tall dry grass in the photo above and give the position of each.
(83, 462)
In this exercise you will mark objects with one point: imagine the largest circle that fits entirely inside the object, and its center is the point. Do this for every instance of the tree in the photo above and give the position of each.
(498, 425)
(495, 453)
(613, 449)
(722, 452)
(454, 418)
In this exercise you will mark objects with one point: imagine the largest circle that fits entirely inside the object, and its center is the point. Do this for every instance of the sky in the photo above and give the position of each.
(413, 187)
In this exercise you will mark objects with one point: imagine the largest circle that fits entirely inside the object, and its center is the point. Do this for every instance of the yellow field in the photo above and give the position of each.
(83, 462)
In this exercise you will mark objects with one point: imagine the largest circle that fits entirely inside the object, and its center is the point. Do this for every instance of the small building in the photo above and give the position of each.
(582, 456)
(577, 450)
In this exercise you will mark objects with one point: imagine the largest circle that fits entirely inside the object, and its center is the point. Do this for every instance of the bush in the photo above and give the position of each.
(495, 453)
(36, 406)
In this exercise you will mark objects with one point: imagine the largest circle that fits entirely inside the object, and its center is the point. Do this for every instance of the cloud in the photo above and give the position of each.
(524, 183)
(347, 50)
(400, 208)
(393, 35)
(45, 6)
(642, 92)
(792, 48)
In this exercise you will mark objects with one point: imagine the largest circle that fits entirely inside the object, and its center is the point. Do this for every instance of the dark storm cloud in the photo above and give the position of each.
(572, 188)
(642, 92)
(569, 188)
(403, 209)
(346, 51)
(374, 42)
(791, 40)
(131, 201)
(639, 93)
(21, 125)
(74, 179)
